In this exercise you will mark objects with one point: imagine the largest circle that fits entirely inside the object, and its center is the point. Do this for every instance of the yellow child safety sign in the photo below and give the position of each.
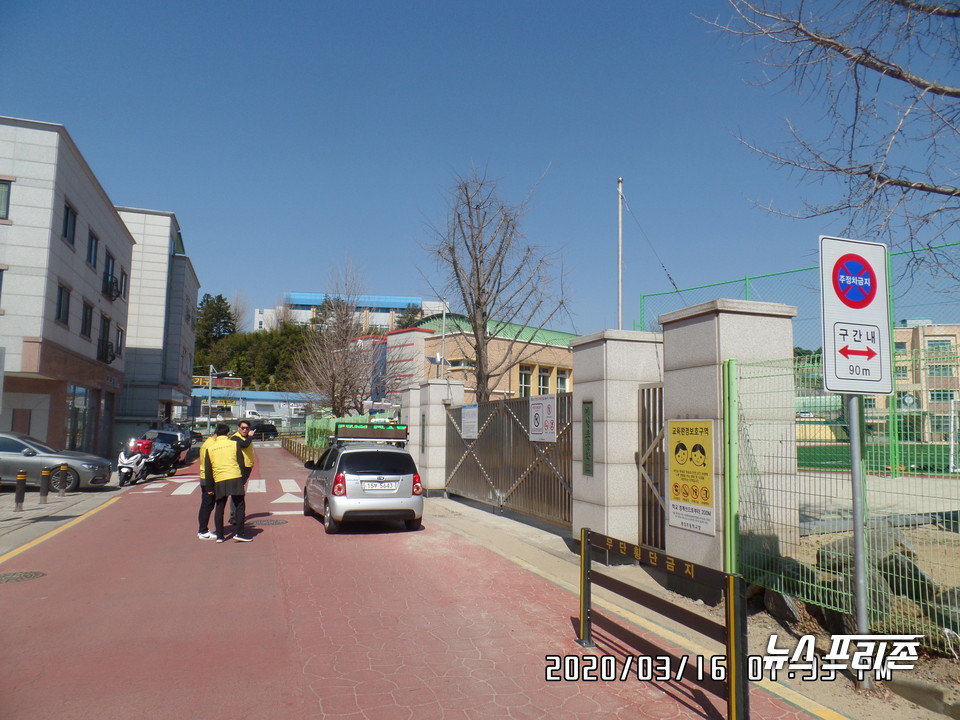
(691, 474)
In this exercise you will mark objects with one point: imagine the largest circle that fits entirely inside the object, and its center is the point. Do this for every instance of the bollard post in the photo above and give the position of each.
(586, 628)
(21, 490)
(44, 485)
(62, 490)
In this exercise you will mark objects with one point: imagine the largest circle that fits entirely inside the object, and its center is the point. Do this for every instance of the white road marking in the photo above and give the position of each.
(256, 486)
(289, 498)
(186, 488)
(289, 486)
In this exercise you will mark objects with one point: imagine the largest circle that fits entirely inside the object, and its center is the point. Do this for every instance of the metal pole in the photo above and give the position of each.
(443, 340)
(585, 638)
(859, 549)
(620, 254)
(62, 490)
(209, 398)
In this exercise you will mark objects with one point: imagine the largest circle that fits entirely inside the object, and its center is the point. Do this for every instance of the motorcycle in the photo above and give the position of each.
(162, 459)
(131, 463)
(142, 458)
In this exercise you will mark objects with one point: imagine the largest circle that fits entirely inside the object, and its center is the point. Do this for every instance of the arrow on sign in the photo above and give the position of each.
(869, 353)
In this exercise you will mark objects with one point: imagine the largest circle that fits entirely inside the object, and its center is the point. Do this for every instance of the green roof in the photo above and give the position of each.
(460, 324)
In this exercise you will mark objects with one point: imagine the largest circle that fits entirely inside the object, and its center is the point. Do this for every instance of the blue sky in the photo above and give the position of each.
(291, 137)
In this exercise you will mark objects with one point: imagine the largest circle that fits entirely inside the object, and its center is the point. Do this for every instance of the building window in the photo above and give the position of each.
(93, 247)
(86, 320)
(940, 371)
(941, 395)
(63, 304)
(901, 371)
(900, 347)
(543, 381)
(940, 424)
(69, 231)
(940, 347)
(563, 381)
(104, 346)
(869, 402)
(123, 283)
(118, 346)
(5, 199)
(526, 380)
(110, 286)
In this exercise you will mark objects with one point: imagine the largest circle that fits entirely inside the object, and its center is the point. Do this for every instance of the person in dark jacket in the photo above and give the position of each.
(222, 477)
(244, 443)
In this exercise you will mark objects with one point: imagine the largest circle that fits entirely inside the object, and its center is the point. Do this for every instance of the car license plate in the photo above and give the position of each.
(373, 485)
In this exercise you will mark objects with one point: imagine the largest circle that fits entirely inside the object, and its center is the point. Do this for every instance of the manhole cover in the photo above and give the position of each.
(268, 521)
(18, 576)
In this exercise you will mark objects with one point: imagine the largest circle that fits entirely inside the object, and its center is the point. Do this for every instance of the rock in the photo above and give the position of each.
(782, 607)
(905, 578)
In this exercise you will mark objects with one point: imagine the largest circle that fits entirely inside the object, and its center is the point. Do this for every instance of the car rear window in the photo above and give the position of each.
(377, 463)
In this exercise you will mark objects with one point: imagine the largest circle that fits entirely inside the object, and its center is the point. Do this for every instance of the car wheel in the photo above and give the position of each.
(413, 524)
(70, 480)
(330, 526)
(307, 510)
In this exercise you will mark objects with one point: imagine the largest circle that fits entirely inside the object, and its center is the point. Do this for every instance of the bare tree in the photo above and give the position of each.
(240, 310)
(504, 286)
(335, 365)
(880, 69)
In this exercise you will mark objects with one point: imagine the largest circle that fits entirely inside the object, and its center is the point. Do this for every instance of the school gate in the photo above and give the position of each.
(502, 467)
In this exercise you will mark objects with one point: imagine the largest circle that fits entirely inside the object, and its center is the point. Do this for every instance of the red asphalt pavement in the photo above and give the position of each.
(136, 617)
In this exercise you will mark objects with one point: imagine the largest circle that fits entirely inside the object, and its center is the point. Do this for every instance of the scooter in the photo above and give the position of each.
(131, 463)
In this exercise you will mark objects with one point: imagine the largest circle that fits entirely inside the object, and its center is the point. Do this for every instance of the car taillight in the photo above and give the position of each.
(340, 485)
(417, 487)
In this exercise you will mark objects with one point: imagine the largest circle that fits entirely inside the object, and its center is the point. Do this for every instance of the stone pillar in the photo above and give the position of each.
(608, 369)
(435, 397)
(696, 341)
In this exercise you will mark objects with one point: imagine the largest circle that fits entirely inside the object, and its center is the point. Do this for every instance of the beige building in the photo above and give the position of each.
(927, 381)
(439, 348)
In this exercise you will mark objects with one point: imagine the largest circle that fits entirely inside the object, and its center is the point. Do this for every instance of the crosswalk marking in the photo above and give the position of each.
(256, 486)
(289, 486)
(288, 498)
(186, 488)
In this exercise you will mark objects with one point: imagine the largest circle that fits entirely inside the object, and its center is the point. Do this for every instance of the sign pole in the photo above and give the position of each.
(859, 548)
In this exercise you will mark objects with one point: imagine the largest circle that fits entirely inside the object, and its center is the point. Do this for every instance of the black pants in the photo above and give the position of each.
(207, 501)
(233, 505)
(239, 503)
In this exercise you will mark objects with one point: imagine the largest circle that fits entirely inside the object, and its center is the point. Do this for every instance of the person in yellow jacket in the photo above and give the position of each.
(221, 477)
(244, 458)
(207, 499)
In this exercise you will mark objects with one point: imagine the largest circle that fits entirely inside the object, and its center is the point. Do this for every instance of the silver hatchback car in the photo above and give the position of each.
(363, 481)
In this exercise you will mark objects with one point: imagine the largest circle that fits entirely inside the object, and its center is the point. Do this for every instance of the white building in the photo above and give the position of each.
(378, 312)
(162, 324)
(65, 265)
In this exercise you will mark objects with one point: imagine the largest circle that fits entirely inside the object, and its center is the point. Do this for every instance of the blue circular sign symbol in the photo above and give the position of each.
(854, 281)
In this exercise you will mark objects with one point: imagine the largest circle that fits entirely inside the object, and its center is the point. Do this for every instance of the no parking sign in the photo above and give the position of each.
(856, 317)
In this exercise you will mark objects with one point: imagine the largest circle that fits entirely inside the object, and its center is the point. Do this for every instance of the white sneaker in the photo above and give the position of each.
(206, 535)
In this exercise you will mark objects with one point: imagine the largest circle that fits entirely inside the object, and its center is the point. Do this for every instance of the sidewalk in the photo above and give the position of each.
(455, 621)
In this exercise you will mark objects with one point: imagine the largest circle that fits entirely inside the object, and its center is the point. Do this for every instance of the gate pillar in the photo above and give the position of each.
(696, 341)
(608, 369)
(431, 430)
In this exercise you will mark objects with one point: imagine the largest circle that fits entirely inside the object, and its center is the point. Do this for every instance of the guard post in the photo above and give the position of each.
(62, 490)
(21, 490)
(45, 484)
(732, 633)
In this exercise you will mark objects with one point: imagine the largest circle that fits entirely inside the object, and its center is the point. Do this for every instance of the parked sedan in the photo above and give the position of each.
(22, 452)
(364, 481)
